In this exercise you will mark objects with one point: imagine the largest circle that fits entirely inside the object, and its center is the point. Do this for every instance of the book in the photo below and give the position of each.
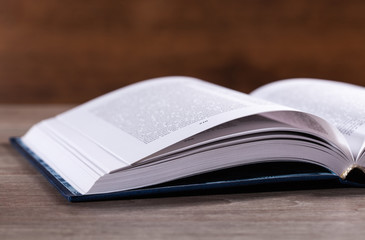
(176, 134)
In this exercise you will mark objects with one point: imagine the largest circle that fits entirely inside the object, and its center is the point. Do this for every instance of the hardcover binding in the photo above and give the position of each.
(318, 178)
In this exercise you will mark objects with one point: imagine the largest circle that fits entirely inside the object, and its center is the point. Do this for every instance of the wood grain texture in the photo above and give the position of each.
(71, 51)
(30, 208)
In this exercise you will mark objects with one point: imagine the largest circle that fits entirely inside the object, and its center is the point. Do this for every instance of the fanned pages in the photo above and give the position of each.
(170, 128)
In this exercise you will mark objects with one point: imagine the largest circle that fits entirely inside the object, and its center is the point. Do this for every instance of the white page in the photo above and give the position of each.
(341, 104)
(76, 142)
(139, 120)
(239, 127)
(64, 162)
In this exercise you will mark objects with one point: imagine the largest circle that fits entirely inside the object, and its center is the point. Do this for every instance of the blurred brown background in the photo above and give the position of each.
(71, 51)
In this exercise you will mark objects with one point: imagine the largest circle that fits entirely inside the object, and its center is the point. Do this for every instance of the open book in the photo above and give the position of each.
(170, 128)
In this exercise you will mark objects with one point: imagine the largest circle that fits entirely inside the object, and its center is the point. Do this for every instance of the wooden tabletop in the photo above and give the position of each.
(30, 208)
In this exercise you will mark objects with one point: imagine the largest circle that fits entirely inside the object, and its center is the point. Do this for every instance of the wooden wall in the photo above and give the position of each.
(70, 51)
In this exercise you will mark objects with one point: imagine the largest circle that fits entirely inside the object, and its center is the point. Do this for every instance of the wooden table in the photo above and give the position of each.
(30, 208)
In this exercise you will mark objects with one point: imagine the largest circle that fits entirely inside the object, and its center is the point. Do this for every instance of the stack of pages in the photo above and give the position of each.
(164, 129)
